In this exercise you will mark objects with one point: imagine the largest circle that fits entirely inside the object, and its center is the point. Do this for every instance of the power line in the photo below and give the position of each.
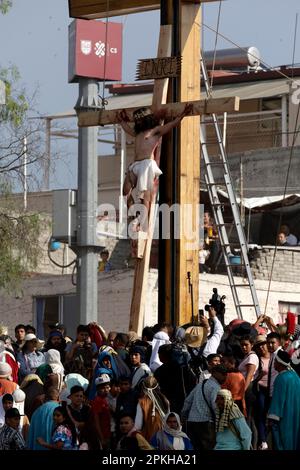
(268, 66)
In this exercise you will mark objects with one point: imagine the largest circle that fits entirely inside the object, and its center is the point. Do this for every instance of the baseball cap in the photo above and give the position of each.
(103, 379)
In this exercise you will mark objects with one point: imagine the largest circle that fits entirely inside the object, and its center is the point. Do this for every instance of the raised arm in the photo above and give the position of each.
(162, 130)
(122, 119)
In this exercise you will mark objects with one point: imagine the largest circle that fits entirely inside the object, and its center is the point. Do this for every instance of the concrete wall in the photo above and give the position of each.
(264, 171)
(280, 291)
(114, 296)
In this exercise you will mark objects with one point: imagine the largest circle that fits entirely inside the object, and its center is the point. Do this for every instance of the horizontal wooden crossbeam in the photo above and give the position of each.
(92, 9)
(210, 106)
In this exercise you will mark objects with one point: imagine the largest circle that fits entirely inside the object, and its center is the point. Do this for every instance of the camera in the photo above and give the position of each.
(217, 302)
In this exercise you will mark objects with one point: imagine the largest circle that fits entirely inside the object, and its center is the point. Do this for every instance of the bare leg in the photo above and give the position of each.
(146, 201)
(128, 187)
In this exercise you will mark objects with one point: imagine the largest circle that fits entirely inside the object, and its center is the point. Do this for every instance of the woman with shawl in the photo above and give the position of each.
(171, 437)
(160, 338)
(52, 358)
(109, 362)
(151, 409)
(33, 386)
(232, 431)
(105, 365)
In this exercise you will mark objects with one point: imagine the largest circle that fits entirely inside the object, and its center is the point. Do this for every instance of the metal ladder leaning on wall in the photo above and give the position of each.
(218, 215)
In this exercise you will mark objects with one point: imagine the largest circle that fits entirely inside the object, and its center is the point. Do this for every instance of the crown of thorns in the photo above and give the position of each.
(141, 113)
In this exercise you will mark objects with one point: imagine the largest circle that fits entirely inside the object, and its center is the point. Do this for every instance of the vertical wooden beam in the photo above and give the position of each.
(139, 291)
(189, 163)
(166, 258)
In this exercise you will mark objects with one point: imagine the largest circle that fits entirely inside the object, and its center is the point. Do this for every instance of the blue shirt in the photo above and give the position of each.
(228, 440)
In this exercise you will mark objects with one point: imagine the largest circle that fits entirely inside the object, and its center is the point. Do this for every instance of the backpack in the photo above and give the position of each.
(198, 361)
(180, 354)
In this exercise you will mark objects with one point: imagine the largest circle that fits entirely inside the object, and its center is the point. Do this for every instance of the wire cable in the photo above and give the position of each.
(282, 204)
(63, 266)
(215, 49)
(268, 66)
(104, 102)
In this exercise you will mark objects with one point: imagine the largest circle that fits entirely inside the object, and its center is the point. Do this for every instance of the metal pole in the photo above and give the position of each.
(224, 129)
(242, 193)
(25, 171)
(87, 208)
(123, 162)
(46, 181)
(284, 123)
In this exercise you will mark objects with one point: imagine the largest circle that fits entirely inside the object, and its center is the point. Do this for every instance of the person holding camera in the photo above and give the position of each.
(204, 340)
(81, 353)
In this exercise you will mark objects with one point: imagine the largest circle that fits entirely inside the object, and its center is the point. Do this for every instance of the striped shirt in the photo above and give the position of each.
(195, 408)
(10, 439)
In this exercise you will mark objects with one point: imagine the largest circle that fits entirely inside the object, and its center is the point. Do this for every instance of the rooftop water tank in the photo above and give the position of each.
(233, 58)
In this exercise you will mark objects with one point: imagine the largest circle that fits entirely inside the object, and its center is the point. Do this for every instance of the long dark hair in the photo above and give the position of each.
(145, 123)
(67, 422)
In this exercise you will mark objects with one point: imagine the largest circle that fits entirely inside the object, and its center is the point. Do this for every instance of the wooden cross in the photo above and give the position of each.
(174, 297)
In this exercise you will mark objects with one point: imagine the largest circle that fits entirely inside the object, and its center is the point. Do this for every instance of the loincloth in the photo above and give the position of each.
(145, 171)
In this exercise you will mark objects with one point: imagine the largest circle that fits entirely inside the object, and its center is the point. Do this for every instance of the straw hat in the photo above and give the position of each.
(195, 336)
(260, 339)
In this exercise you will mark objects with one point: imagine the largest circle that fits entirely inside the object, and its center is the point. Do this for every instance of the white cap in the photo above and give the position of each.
(102, 379)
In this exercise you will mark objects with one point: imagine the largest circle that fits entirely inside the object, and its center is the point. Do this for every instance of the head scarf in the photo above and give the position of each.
(19, 403)
(159, 339)
(174, 432)
(132, 336)
(107, 352)
(151, 390)
(164, 442)
(231, 411)
(43, 371)
(76, 379)
(30, 378)
(52, 358)
(283, 358)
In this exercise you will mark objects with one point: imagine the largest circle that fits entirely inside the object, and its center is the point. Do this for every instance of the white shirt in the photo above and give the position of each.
(214, 342)
(252, 359)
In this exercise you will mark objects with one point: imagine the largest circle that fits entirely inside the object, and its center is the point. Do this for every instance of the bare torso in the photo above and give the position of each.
(146, 143)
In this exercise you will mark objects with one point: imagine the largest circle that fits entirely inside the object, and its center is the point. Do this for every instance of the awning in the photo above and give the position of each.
(253, 90)
(255, 202)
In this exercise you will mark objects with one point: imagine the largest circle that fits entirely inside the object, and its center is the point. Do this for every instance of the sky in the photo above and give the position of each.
(34, 37)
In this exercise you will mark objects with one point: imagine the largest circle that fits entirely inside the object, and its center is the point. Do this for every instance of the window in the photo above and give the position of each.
(285, 307)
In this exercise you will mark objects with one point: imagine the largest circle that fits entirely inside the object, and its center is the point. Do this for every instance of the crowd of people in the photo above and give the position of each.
(199, 386)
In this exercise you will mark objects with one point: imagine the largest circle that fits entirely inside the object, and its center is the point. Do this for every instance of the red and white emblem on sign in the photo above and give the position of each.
(86, 46)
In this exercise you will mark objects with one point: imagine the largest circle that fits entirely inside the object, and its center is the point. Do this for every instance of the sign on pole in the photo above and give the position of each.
(95, 50)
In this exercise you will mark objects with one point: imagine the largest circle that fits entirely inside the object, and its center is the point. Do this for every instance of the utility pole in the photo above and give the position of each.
(46, 179)
(25, 172)
(87, 207)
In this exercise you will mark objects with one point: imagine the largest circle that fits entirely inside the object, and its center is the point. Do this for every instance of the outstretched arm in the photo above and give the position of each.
(122, 119)
(162, 130)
